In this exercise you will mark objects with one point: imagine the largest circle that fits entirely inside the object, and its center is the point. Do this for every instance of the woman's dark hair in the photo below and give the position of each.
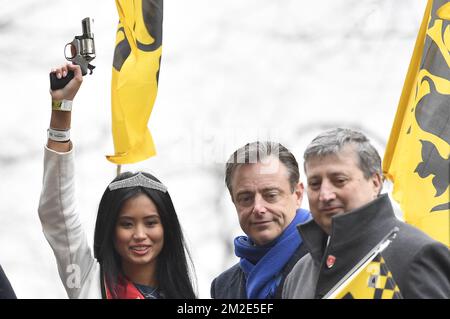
(174, 260)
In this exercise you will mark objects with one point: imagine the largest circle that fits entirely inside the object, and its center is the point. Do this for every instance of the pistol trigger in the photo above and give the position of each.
(91, 67)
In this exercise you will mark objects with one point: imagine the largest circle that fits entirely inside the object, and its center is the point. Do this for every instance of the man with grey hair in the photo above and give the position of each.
(263, 181)
(350, 218)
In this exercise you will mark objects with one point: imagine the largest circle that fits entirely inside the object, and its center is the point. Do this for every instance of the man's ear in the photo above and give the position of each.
(298, 192)
(377, 182)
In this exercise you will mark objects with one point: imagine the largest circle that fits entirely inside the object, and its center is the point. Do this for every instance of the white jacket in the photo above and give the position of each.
(78, 269)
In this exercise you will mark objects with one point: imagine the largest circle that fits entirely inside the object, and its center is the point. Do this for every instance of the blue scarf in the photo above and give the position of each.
(262, 265)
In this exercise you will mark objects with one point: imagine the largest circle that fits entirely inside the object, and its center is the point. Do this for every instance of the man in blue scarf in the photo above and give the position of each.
(264, 183)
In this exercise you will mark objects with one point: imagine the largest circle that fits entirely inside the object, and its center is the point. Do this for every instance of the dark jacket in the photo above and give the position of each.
(231, 284)
(419, 265)
(6, 291)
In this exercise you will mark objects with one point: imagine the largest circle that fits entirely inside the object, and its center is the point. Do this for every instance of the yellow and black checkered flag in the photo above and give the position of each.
(370, 278)
(374, 282)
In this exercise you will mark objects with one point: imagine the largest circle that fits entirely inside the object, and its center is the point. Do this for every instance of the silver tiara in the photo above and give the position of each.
(138, 180)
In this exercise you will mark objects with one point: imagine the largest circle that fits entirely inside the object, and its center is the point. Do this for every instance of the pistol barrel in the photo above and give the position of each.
(86, 26)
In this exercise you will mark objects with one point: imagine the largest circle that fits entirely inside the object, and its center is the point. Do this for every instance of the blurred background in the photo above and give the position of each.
(232, 72)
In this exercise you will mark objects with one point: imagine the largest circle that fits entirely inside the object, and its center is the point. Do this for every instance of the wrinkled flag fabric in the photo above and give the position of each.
(417, 157)
(135, 74)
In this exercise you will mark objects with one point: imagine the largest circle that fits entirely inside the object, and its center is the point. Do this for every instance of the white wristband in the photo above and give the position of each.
(64, 105)
(58, 135)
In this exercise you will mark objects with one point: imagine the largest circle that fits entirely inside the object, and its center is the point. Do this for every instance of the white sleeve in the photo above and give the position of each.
(61, 224)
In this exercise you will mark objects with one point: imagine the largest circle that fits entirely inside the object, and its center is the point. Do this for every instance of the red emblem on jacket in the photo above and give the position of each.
(330, 261)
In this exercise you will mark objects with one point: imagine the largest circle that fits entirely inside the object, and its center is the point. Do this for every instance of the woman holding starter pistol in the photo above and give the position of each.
(139, 249)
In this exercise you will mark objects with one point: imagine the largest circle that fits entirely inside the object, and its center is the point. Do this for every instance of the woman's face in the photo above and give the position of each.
(139, 235)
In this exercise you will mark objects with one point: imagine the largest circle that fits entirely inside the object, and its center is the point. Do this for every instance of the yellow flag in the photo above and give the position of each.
(375, 281)
(417, 158)
(370, 278)
(135, 74)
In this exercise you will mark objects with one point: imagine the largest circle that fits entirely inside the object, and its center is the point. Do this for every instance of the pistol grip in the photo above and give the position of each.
(56, 84)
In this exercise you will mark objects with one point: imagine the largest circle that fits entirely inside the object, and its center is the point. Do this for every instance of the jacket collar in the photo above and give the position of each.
(370, 221)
